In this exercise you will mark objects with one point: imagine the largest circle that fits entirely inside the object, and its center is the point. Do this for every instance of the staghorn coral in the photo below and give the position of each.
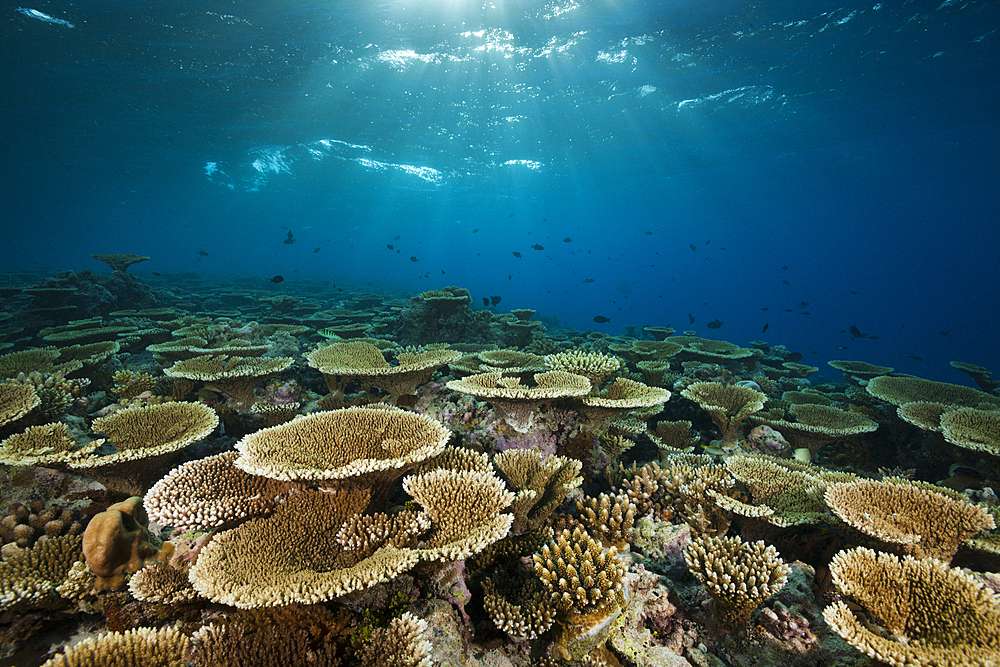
(609, 518)
(518, 402)
(117, 542)
(907, 518)
(36, 578)
(211, 493)
(234, 376)
(932, 615)
(403, 644)
(146, 438)
(541, 483)
(594, 366)
(738, 575)
(729, 406)
(141, 647)
(586, 584)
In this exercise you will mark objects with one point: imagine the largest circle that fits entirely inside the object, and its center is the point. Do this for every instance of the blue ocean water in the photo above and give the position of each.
(835, 163)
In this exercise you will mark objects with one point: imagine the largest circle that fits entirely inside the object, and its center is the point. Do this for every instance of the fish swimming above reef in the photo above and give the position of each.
(276, 279)
(486, 302)
(494, 300)
(567, 240)
(203, 253)
(600, 319)
(649, 233)
(588, 280)
(803, 304)
(714, 324)
(915, 357)
(328, 333)
(538, 247)
(693, 247)
(690, 318)
(856, 332)
(316, 250)
(475, 230)
(517, 254)
(944, 333)
(414, 259)
(389, 246)
(289, 240)
(786, 282)
(765, 327)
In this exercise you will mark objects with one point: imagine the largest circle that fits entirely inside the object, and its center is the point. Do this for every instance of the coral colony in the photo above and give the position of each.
(341, 478)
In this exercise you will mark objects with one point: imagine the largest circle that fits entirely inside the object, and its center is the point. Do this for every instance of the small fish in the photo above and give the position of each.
(510, 277)
(795, 356)
(588, 280)
(600, 319)
(511, 215)
(442, 272)
(389, 246)
(856, 332)
(290, 240)
(713, 450)
(803, 304)
(277, 279)
(842, 347)
(203, 253)
(649, 233)
(915, 358)
(764, 308)
(714, 324)
(157, 274)
(328, 333)
(395, 238)
(805, 312)
(414, 259)
(494, 300)
(722, 248)
(944, 333)
(538, 247)
(517, 254)
(475, 230)
(316, 250)
(693, 247)
(486, 302)
(787, 310)
(567, 240)
(854, 291)
(784, 268)
(786, 282)
(842, 331)
(707, 242)
(765, 327)
(690, 318)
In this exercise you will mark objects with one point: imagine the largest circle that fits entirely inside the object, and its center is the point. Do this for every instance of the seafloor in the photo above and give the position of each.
(368, 478)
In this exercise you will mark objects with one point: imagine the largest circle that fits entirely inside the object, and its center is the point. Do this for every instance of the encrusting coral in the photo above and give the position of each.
(739, 576)
(931, 614)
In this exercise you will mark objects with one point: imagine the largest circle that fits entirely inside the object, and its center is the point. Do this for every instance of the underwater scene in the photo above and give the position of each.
(500, 333)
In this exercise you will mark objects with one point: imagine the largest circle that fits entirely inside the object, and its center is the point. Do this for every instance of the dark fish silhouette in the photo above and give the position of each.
(494, 300)
(277, 279)
(693, 247)
(414, 259)
(389, 246)
(765, 327)
(316, 250)
(475, 230)
(395, 238)
(203, 253)
(842, 347)
(588, 280)
(510, 277)
(290, 240)
(764, 309)
(714, 324)
(511, 215)
(944, 333)
(805, 312)
(856, 332)
(784, 268)
(787, 310)
(803, 304)
(538, 247)
(284, 227)
(707, 242)
(517, 254)
(786, 282)
(486, 302)
(853, 291)
(795, 356)
(649, 233)
(600, 319)
(567, 240)
(690, 318)
(916, 358)
(157, 274)
(442, 272)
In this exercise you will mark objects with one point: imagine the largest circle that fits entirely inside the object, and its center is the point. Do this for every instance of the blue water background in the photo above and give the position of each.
(855, 143)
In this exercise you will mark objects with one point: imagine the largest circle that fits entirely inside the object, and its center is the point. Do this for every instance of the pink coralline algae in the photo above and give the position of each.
(766, 440)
